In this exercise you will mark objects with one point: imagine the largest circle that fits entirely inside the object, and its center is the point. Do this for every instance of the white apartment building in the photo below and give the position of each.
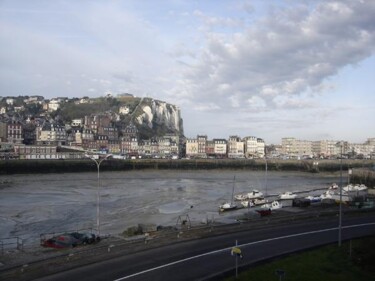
(51, 134)
(202, 144)
(297, 148)
(261, 148)
(236, 147)
(191, 147)
(292, 147)
(220, 147)
(289, 147)
(53, 105)
(251, 147)
(325, 148)
(254, 147)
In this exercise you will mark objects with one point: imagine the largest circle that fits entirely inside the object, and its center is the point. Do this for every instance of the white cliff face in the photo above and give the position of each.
(160, 113)
(146, 117)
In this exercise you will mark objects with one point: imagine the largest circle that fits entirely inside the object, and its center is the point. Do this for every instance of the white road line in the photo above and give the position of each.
(246, 244)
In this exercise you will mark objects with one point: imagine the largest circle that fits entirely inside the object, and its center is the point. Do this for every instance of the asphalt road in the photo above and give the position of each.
(202, 259)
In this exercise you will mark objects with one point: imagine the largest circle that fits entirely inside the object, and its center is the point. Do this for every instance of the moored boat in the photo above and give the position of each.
(357, 187)
(287, 195)
(251, 195)
(313, 199)
(247, 203)
(254, 194)
(227, 207)
(272, 206)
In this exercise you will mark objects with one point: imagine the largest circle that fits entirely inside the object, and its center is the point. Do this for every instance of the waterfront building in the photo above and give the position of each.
(96, 123)
(261, 148)
(251, 146)
(236, 147)
(191, 147)
(202, 143)
(220, 148)
(14, 132)
(289, 147)
(51, 134)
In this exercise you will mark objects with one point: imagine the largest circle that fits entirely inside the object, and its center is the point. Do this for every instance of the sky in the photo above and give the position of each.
(264, 68)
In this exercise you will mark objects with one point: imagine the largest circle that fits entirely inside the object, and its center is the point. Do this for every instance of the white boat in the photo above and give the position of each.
(273, 206)
(333, 186)
(287, 195)
(357, 187)
(251, 195)
(247, 203)
(327, 195)
(254, 194)
(259, 201)
(229, 205)
(313, 199)
(240, 197)
(344, 197)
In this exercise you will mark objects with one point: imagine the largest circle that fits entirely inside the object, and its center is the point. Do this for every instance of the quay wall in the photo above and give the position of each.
(363, 176)
(87, 165)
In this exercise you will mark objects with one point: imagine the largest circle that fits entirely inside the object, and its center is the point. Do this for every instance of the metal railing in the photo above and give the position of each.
(11, 244)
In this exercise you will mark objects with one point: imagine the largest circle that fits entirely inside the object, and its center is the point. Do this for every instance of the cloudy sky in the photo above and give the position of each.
(270, 69)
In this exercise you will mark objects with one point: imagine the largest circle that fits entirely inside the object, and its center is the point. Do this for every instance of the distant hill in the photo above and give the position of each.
(151, 117)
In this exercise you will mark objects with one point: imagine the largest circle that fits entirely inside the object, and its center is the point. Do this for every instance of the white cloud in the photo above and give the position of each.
(230, 65)
(286, 54)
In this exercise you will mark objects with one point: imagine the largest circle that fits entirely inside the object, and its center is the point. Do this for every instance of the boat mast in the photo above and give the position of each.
(234, 181)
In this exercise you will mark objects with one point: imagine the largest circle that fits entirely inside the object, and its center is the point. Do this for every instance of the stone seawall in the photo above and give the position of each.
(87, 165)
(363, 176)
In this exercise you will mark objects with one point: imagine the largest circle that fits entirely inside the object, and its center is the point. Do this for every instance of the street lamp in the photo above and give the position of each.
(98, 162)
(265, 158)
(340, 206)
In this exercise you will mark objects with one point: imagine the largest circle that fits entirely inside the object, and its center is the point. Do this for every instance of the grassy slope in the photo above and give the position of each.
(328, 263)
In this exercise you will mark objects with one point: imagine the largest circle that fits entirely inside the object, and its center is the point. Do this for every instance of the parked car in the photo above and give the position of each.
(70, 240)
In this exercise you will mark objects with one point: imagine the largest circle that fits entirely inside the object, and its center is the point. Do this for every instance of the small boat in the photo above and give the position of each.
(251, 195)
(240, 197)
(254, 194)
(327, 195)
(247, 203)
(313, 199)
(273, 206)
(344, 197)
(287, 195)
(259, 201)
(333, 186)
(357, 187)
(229, 205)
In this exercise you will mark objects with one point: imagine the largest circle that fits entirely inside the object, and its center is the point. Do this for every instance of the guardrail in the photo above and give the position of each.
(11, 243)
(114, 246)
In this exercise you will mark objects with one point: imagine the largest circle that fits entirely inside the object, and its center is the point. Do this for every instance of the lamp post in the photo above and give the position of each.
(340, 206)
(98, 162)
(265, 158)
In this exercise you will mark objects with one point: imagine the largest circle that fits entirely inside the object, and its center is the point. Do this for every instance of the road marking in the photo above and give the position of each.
(246, 244)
